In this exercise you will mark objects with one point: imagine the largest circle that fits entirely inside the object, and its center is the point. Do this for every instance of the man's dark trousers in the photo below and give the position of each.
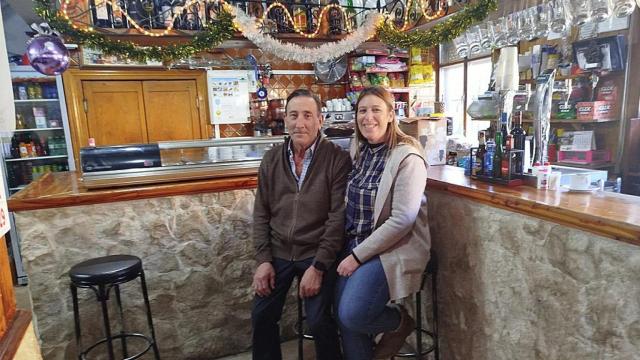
(267, 312)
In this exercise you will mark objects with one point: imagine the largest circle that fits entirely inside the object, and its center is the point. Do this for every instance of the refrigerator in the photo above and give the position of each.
(40, 144)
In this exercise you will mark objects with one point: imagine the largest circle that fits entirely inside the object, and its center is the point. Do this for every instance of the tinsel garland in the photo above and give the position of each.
(301, 54)
(212, 35)
(444, 32)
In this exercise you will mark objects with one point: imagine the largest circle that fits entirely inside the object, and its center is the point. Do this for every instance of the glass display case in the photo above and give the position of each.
(170, 161)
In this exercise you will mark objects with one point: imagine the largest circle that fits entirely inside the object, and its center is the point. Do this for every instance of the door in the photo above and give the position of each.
(171, 110)
(115, 112)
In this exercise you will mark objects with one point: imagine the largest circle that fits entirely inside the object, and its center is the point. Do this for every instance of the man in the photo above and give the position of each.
(298, 229)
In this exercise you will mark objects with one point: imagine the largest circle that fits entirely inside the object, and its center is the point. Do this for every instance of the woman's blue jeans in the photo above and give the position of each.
(362, 309)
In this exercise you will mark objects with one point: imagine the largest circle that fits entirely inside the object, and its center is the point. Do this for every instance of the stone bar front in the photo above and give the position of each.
(523, 274)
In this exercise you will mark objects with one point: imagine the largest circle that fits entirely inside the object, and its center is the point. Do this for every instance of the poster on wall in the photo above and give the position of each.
(228, 96)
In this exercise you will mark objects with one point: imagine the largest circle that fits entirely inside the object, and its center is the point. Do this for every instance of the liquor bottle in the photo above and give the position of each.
(335, 20)
(505, 164)
(20, 124)
(478, 162)
(119, 18)
(503, 127)
(519, 138)
(102, 13)
(15, 147)
(147, 12)
(135, 11)
(300, 16)
(488, 158)
(497, 157)
(45, 146)
(166, 12)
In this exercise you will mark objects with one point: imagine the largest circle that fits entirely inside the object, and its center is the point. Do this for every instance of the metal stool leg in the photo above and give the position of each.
(143, 283)
(102, 297)
(418, 325)
(299, 328)
(434, 292)
(123, 339)
(76, 319)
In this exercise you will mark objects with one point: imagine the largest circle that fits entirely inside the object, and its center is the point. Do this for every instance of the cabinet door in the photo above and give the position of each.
(115, 112)
(171, 110)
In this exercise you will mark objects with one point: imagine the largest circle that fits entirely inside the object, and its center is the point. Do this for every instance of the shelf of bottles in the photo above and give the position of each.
(149, 15)
(38, 145)
(500, 159)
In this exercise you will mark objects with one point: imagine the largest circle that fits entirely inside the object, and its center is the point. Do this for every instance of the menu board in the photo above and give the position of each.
(228, 96)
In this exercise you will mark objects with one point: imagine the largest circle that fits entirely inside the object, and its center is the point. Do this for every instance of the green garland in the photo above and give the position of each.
(441, 33)
(212, 35)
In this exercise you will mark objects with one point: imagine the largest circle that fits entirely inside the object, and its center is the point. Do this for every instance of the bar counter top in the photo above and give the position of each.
(608, 214)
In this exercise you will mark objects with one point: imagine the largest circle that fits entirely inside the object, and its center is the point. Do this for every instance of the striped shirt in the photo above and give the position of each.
(361, 191)
(306, 161)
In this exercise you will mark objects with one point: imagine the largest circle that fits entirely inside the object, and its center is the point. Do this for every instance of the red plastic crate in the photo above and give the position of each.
(584, 157)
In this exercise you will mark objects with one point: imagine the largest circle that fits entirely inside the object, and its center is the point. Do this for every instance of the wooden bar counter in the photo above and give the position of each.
(522, 273)
(604, 213)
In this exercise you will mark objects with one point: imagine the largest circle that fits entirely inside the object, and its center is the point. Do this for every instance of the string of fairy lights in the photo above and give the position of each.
(425, 7)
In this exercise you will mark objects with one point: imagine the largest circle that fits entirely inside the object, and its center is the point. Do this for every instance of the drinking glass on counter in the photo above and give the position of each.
(622, 8)
(527, 21)
(473, 40)
(560, 16)
(513, 28)
(461, 46)
(581, 11)
(499, 32)
(545, 14)
(601, 9)
(485, 36)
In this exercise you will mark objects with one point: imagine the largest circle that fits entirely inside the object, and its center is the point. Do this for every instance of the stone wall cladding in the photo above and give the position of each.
(513, 286)
(198, 258)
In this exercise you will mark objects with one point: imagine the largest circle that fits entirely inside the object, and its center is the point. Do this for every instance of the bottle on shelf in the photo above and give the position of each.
(119, 19)
(505, 166)
(20, 123)
(519, 138)
(488, 158)
(22, 92)
(497, 156)
(101, 13)
(503, 127)
(15, 147)
(335, 20)
(300, 16)
(478, 162)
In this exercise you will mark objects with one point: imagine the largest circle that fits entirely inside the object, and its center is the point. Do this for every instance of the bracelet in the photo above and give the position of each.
(355, 257)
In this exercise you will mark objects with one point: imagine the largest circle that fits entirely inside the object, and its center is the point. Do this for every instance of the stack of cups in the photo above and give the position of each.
(507, 75)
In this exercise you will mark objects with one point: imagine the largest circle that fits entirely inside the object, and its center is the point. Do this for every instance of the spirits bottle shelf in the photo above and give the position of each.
(37, 129)
(37, 158)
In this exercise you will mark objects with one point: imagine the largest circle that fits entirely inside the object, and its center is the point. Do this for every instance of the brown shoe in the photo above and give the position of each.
(392, 341)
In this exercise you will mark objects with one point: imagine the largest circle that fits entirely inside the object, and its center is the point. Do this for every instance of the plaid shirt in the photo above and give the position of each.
(306, 161)
(361, 191)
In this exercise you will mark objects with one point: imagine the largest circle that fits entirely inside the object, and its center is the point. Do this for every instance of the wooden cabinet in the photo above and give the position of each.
(127, 107)
(115, 112)
(171, 110)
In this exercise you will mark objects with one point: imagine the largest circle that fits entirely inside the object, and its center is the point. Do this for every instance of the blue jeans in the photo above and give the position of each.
(267, 311)
(361, 302)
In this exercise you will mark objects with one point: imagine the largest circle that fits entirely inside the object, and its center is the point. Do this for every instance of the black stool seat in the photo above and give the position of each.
(106, 270)
(102, 275)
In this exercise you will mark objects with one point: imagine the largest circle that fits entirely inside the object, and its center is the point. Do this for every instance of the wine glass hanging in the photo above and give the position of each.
(309, 18)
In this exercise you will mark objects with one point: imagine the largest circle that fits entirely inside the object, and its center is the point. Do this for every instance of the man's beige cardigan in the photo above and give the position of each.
(401, 236)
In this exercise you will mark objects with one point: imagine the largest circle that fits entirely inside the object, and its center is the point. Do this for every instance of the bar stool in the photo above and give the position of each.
(299, 325)
(101, 275)
(431, 271)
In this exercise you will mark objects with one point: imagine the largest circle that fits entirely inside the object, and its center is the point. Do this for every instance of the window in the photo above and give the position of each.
(457, 95)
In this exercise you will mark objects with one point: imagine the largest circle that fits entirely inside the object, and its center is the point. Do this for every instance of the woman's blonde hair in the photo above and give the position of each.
(394, 136)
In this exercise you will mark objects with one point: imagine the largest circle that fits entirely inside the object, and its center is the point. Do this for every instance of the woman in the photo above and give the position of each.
(387, 232)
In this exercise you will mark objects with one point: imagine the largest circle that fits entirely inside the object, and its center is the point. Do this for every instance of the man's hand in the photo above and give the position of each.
(311, 282)
(264, 279)
(348, 266)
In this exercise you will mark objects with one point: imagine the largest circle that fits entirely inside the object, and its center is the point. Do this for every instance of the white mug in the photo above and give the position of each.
(580, 182)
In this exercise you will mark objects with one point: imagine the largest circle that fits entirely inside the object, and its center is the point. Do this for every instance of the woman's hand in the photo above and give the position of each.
(348, 266)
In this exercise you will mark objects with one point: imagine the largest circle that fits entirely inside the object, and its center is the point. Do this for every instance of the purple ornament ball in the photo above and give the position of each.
(48, 55)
